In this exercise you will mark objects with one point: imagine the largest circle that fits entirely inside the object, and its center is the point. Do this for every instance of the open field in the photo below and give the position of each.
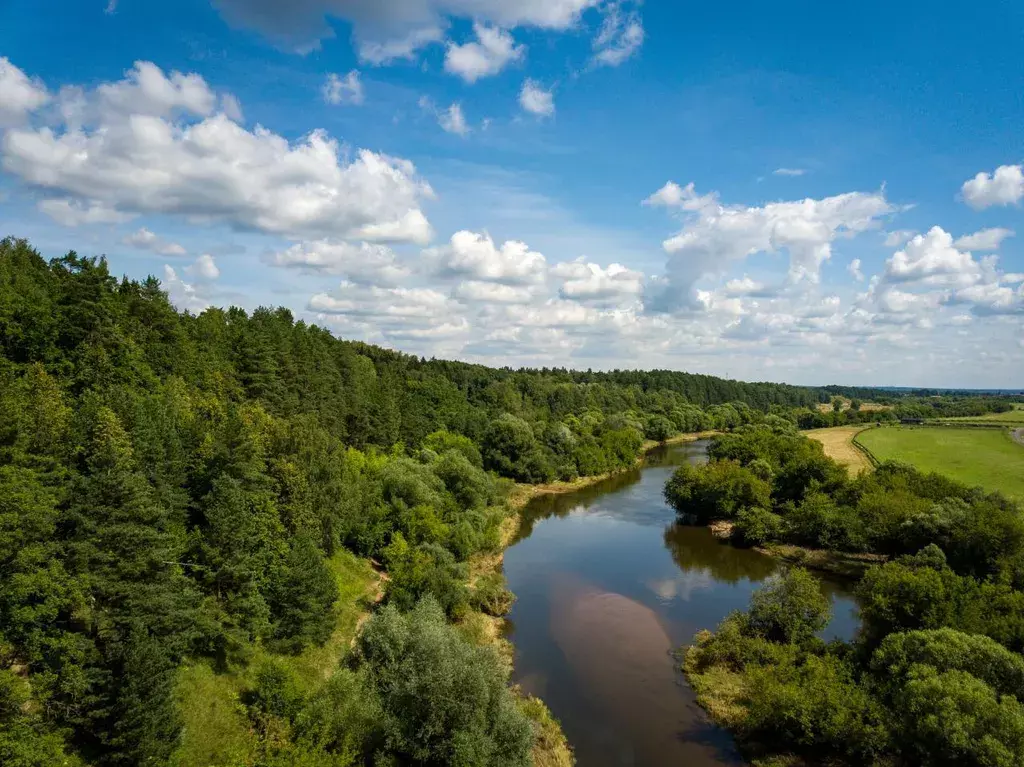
(867, 407)
(985, 457)
(838, 444)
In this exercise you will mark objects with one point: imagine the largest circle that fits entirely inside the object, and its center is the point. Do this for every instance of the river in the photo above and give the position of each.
(607, 587)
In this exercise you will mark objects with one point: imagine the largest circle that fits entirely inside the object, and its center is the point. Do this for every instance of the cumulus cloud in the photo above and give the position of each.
(932, 272)
(184, 295)
(788, 172)
(984, 240)
(934, 259)
(715, 236)
(535, 100)
(387, 30)
(144, 239)
(585, 281)
(205, 268)
(475, 256)
(338, 90)
(854, 269)
(153, 144)
(452, 120)
(493, 50)
(1005, 186)
(363, 263)
(620, 37)
(19, 94)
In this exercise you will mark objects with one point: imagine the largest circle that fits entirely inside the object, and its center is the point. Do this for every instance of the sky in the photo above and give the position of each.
(765, 191)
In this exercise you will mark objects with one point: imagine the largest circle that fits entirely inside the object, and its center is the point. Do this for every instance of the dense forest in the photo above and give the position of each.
(179, 489)
(935, 675)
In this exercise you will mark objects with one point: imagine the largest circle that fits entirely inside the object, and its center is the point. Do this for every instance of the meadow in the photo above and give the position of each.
(985, 457)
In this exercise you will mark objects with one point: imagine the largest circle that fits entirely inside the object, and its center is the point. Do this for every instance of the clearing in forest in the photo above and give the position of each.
(986, 457)
(838, 444)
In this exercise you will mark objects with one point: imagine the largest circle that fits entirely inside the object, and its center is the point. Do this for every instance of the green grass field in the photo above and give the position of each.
(985, 457)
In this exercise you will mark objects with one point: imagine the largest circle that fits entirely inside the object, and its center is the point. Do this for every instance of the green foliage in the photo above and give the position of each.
(716, 490)
(443, 700)
(789, 608)
(756, 527)
(816, 708)
(953, 718)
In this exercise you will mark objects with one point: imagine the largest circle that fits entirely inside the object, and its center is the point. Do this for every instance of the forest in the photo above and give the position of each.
(179, 489)
(935, 673)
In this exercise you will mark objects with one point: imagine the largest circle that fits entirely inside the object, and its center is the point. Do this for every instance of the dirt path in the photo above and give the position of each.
(838, 444)
(1018, 436)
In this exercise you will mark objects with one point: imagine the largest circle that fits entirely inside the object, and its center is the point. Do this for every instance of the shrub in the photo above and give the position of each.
(756, 527)
(443, 700)
(789, 607)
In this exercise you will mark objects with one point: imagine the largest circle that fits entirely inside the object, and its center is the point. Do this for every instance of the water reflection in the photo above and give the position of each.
(608, 585)
(696, 548)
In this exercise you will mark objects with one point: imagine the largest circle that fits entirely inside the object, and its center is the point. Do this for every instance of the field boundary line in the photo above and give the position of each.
(859, 446)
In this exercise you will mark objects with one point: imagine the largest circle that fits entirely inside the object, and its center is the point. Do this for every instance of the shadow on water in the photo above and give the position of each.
(608, 585)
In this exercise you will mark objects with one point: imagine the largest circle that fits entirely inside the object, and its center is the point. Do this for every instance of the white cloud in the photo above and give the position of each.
(205, 268)
(388, 30)
(621, 36)
(492, 292)
(788, 172)
(362, 263)
(715, 236)
(1003, 187)
(933, 259)
(493, 50)
(476, 257)
(683, 197)
(585, 281)
(19, 95)
(899, 238)
(146, 90)
(111, 7)
(146, 240)
(183, 295)
(985, 240)
(133, 158)
(854, 269)
(453, 121)
(73, 213)
(535, 100)
(343, 90)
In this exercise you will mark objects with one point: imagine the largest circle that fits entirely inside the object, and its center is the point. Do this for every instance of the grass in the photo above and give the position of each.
(217, 731)
(839, 446)
(985, 457)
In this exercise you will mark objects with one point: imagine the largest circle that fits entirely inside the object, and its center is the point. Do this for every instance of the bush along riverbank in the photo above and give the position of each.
(934, 675)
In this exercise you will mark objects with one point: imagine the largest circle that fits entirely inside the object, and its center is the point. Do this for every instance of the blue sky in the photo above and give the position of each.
(510, 182)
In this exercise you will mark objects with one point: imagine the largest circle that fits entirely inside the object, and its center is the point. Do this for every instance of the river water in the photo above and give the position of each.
(607, 587)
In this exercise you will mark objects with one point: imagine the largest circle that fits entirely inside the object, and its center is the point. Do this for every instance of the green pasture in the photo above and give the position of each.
(985, 457)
